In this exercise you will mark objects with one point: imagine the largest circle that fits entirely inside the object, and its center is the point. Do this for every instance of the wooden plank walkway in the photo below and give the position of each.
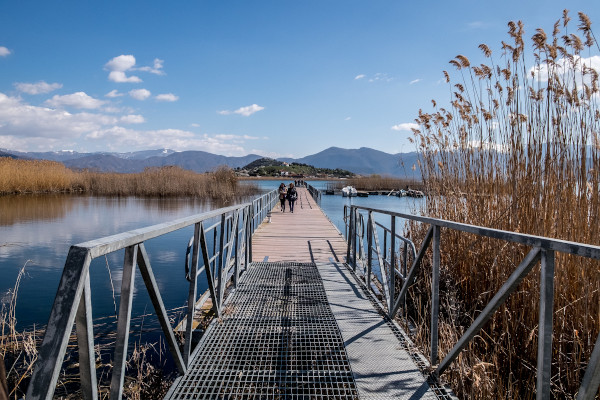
(300, 326)
(306, 235)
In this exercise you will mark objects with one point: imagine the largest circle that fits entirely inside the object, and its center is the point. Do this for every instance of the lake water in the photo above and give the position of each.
(37, 231)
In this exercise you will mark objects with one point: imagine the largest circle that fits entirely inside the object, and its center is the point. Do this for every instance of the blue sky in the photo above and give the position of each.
(275, 78)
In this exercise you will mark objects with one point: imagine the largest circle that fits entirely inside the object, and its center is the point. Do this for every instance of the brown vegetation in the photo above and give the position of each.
(518, 149)
(145, 378)
(40, 176)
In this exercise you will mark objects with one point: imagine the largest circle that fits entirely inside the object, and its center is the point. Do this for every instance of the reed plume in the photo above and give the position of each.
(517, 150)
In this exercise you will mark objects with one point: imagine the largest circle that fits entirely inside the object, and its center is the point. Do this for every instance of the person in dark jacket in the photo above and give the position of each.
(292, 195)
(282, 196)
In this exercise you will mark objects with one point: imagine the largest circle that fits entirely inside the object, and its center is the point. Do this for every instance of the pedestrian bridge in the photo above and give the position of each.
(301, 310)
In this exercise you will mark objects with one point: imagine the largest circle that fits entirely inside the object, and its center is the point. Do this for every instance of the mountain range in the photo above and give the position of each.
(363, 161)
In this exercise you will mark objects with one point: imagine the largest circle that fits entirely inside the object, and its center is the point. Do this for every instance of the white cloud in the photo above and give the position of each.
(347, 118)
(381, 77)
(121, 63)
(120, 77)
(118, 138)
(37, 88)
(19, 120)
(194, 125)
(563, 65)
(77, 100)
(118, 66)
(155, 69)
(114, 93)
(132, 119)
(415, 81)
(140, 94)
(4, 51)
(245, 111)
(166, 97)
(408, 126)
(235, 138)
(359, 76)
(27, 128)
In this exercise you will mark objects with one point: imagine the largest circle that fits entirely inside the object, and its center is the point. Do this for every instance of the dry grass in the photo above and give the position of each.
(25, 176)
(518, 153)
(145, 377)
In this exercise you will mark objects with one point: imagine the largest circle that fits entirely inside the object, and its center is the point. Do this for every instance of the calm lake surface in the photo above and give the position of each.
(37, 231)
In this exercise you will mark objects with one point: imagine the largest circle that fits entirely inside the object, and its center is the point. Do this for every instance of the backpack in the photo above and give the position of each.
(292, 195)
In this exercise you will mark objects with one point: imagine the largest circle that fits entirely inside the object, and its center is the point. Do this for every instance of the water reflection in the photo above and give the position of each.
(23, 208)
(42, 228)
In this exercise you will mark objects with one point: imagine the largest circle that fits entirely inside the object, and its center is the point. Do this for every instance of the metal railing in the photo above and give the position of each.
(314, 192)
(542, 250)
(223, 262)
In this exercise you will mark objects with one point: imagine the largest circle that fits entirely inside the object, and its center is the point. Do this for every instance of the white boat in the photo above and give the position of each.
(349, 191)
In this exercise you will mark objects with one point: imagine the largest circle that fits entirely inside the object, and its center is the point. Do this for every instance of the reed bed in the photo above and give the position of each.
(41, 176)
(146, 375)
(516, 149)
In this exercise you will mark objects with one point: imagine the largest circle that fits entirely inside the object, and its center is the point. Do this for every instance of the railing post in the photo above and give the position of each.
(52, 351)
(249, 235)
(405, 260)
(349, 235)
(236, 246)
(221, 274)
(191, 306)
(122, 341)
(544, 357)
(369, 250)
(591, 379)
(392, 265)
(354, 234)
(85, 340)
(435, 294)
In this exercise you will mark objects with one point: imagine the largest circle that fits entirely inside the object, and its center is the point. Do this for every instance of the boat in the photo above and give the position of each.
(414, 193)
(374, 193)
(362, 194)
(349, 191)
(402, 193)
(329, 192)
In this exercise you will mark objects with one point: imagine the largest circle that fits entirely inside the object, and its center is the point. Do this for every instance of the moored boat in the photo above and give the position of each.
(349, 191)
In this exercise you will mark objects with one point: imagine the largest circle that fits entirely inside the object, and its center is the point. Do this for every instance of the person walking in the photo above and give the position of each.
(282, 196)
(292, 195)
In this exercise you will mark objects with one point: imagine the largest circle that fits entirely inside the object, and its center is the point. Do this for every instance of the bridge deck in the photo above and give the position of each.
(300, 326)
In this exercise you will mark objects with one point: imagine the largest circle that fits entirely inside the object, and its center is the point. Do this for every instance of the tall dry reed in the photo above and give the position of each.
(516, 149)
(27, 176)
(145, 377)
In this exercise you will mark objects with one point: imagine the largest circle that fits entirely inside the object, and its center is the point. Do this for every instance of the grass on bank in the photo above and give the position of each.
(145, 371)
(517, 149)
(41, 176)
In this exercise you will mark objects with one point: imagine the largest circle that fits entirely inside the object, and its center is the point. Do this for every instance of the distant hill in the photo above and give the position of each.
(198, 161)
(271, 167)
(9, 155)
(363, 161)
(263, 162)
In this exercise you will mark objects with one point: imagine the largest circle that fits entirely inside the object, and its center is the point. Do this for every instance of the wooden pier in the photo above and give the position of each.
(299, 325)
(297, 313)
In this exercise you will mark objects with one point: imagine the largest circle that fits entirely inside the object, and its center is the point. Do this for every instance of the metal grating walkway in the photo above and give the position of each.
(277, 339)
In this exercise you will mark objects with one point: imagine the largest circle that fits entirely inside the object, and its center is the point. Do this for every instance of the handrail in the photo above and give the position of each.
(543, 250)
(314, 192)
(72, 304)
